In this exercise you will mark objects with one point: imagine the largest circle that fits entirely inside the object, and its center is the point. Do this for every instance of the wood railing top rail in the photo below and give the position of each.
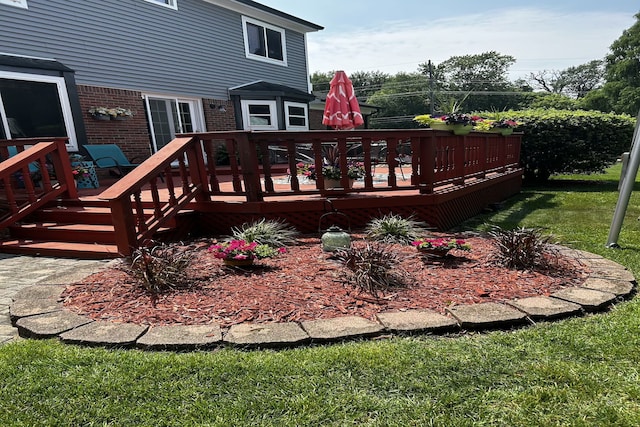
(150, 168)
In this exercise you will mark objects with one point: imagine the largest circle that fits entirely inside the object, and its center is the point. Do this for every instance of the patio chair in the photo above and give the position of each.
(109, 156)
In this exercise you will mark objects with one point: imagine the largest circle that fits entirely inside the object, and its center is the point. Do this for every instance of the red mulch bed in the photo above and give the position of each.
(305, 284)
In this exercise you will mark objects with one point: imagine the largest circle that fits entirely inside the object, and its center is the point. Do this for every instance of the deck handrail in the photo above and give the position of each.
(438, 159)
(134, 221)
(42, 152)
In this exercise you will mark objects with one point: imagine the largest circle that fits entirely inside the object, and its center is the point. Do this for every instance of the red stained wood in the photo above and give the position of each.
(305, 284)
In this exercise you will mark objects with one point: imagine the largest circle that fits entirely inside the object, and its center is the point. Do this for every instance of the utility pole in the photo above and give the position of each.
(431, 88)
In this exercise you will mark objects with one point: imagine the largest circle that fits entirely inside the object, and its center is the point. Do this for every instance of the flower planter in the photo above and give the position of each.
(335, 183)
(434, 252)
(101, 117)
(238, 262)
(456, 129)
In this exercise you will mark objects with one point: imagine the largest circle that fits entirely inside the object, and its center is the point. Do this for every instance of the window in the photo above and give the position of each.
(259, 115)
(173, 4)
(264, 42)
(16, 3)
(296, 114)
(35, 106)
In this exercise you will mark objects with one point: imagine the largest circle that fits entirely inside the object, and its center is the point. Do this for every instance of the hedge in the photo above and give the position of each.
(564, 141)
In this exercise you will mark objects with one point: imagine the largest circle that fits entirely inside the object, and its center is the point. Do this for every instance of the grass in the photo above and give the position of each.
(576, 372)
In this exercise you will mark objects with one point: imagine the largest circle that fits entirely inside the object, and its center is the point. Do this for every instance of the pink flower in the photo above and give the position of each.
(282, 250)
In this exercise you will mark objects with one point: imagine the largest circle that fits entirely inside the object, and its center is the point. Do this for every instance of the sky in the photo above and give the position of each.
(398, 35)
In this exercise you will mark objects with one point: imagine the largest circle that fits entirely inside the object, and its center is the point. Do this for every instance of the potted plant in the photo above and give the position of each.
(332, 173)
(458, 123)
(241, 253)
(439, 246)
(100, 113)
(502, 126)
(119, 113)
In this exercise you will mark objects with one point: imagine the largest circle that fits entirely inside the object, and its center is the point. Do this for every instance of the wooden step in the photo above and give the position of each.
(59, 249)
(52, 231)
(72, 214)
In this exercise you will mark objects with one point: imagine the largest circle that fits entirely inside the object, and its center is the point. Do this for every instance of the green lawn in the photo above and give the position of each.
(577, 372)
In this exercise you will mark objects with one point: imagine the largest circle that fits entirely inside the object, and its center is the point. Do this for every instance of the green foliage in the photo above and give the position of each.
(392, 228)
(160, 268)
(523, 248)
(555, 101)
(274, 233)
(560, 141)
(372, 269)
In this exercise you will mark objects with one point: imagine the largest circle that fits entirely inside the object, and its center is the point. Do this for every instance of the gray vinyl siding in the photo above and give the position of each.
(197, 50)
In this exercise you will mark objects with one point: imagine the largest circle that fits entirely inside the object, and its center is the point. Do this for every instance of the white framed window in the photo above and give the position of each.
(34, 105)
(296, 116)
(16, 3)
(259, 115)
(264, 42)
(173, 4)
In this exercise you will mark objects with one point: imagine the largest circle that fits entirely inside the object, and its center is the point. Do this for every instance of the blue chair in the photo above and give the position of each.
(108, 156)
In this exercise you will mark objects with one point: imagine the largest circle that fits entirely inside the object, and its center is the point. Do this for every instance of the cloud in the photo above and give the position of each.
(538, 40)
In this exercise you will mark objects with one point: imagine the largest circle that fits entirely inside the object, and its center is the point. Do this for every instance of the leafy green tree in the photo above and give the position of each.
(366, 83)
(401, 98)
(621, 92)
(574, 81)
(481, 80)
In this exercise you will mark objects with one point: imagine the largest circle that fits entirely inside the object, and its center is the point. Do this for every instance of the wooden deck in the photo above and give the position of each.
(449, 179)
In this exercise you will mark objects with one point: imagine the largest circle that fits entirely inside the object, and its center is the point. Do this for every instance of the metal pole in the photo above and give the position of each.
(431, 94)
(628, 180)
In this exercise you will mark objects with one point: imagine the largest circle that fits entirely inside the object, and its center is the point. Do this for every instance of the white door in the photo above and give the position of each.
(170, 116)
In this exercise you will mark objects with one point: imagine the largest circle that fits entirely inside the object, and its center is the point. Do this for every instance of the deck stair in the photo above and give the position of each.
(73, 228)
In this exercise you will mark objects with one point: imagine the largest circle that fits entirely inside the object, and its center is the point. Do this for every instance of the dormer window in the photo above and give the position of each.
(173, 4)
(264, 42)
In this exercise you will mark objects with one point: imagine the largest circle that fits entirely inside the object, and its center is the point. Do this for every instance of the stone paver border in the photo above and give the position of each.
(38, 313)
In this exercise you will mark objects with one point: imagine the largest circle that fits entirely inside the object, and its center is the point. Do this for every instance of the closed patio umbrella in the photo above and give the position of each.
(342, 110)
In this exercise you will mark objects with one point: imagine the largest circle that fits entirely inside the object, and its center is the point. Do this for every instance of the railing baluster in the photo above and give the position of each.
(171, 189)
(293, 168)
(139, 211)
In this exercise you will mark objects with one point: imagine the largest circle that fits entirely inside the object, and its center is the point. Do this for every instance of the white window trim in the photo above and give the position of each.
(63, 96)
(16, 3)
(288, 126)
(273, 113)
(171, 4)
(283, 42)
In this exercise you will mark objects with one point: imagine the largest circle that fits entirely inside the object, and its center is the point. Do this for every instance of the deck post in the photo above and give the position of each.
(124, 224)
(247, 152)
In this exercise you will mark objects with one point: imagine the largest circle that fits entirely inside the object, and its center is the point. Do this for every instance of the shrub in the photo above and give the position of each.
(273, 233)
(161, 267)
(561, 141)
(371, 268)
(392, 228)
(523, 248)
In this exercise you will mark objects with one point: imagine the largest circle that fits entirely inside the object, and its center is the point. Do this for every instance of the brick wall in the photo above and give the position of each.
(131, 134)
(216, 119)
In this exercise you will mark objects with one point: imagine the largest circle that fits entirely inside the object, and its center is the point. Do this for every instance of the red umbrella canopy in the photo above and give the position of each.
(342, 110)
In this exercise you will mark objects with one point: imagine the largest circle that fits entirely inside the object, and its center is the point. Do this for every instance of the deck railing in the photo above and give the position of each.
(33, 172)
(264, 164)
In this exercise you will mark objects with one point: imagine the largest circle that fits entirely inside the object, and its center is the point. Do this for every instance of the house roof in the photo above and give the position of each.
(269, 14)
(261, 87)
(32, 62)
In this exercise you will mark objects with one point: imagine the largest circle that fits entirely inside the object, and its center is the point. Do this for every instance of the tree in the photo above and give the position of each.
(484, 72)
(468, 76)
(401, 98)
(574, 81)
(621, 92)
(366, 83)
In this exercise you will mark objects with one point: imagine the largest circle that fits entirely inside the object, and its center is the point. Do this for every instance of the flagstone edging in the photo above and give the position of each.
(37, 312)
